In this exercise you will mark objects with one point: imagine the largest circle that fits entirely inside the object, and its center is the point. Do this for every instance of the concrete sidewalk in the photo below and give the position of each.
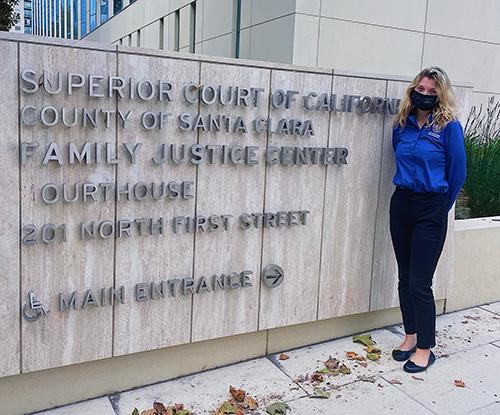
(468, 350)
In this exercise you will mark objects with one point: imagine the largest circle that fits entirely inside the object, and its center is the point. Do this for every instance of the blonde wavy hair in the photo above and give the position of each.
(445, 110)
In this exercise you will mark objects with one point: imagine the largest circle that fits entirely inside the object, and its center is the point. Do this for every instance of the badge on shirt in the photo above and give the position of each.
(434, 134)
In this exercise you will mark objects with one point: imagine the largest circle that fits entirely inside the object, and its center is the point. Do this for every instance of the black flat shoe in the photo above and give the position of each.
(402, 355)
(411, 367)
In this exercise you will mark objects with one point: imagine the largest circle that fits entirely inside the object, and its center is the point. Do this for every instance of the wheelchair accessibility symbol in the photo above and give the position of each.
(33, 309)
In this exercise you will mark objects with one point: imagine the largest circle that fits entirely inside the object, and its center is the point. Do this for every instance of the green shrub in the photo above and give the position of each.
(482, 145)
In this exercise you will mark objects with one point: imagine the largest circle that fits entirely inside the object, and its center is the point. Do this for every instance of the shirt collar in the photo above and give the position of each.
(413, 119)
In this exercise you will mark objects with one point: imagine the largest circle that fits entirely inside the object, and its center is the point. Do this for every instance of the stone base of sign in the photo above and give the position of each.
(477, 264)
(55, 387)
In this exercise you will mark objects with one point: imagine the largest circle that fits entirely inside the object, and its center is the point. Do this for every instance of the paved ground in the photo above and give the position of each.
(468, 350)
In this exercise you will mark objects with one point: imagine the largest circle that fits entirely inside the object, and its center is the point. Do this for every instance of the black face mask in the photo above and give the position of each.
(423, 102)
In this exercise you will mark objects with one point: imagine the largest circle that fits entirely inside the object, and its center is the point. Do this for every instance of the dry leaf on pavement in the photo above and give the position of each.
(237, 394)
(344, 369)
(332, 363)
(459, 383)
(283, 356)
(251, 403)
(373, 356)
(226, 408)
(365, 339)
(395, 382)
(277, 408)
(417, 378)
(372, 349)
(320, 393)
(159, 407)
(317, 377)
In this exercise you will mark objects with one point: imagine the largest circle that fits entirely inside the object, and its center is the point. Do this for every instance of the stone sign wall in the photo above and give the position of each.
(154, 200)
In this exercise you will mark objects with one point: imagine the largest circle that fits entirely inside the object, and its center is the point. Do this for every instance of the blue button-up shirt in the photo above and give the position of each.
(429, 160)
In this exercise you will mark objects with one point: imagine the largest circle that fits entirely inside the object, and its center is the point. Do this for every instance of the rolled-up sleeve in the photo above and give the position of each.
(455, 160)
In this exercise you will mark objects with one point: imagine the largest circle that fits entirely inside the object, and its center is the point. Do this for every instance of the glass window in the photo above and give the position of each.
(83, 7)
(45, 17)
(75, 19)
(53, 17)
(56, 21)
(104, 10)
(117, 6)
(68, 19)
(93, 12)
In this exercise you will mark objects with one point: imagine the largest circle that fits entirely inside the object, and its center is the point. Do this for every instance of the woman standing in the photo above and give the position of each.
(428, 144)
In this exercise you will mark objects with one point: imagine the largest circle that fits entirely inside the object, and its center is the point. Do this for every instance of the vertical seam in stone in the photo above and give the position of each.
(259, 271)
(250, 34)
(317, 43)
(425, 31)
(195, 212)
(324, 204)
(267, 342)
(18, 48)
(378, 200)
(115, 212)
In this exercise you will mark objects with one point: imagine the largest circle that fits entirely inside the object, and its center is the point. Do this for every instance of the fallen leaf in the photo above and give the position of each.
(395, 382)
(316, 377)
(302, 378)
(237, 394)
(364, 364)
(360, 358)
(371, 379)
(323, 371)
(135, 411)
(372, 349)
(332, 363)
(365, 339)
(283, 356)
(149, 412)
(277, 408)
(160, 408)
(373, 356)
(226, 408)
(251, 403)
(344, 369)
(240, 412)
(320, 393)
(417, 378)
(182, 412)
(351, 355)
(459, 383)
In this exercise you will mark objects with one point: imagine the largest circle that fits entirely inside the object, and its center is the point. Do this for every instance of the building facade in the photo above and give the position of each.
(393, 37)
(71, 19)
(23, 25)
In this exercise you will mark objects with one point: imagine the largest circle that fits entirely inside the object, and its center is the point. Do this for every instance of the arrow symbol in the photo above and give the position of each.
(273, 275)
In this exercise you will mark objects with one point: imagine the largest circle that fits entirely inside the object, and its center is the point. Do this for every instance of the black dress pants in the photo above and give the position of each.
(418, 224)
